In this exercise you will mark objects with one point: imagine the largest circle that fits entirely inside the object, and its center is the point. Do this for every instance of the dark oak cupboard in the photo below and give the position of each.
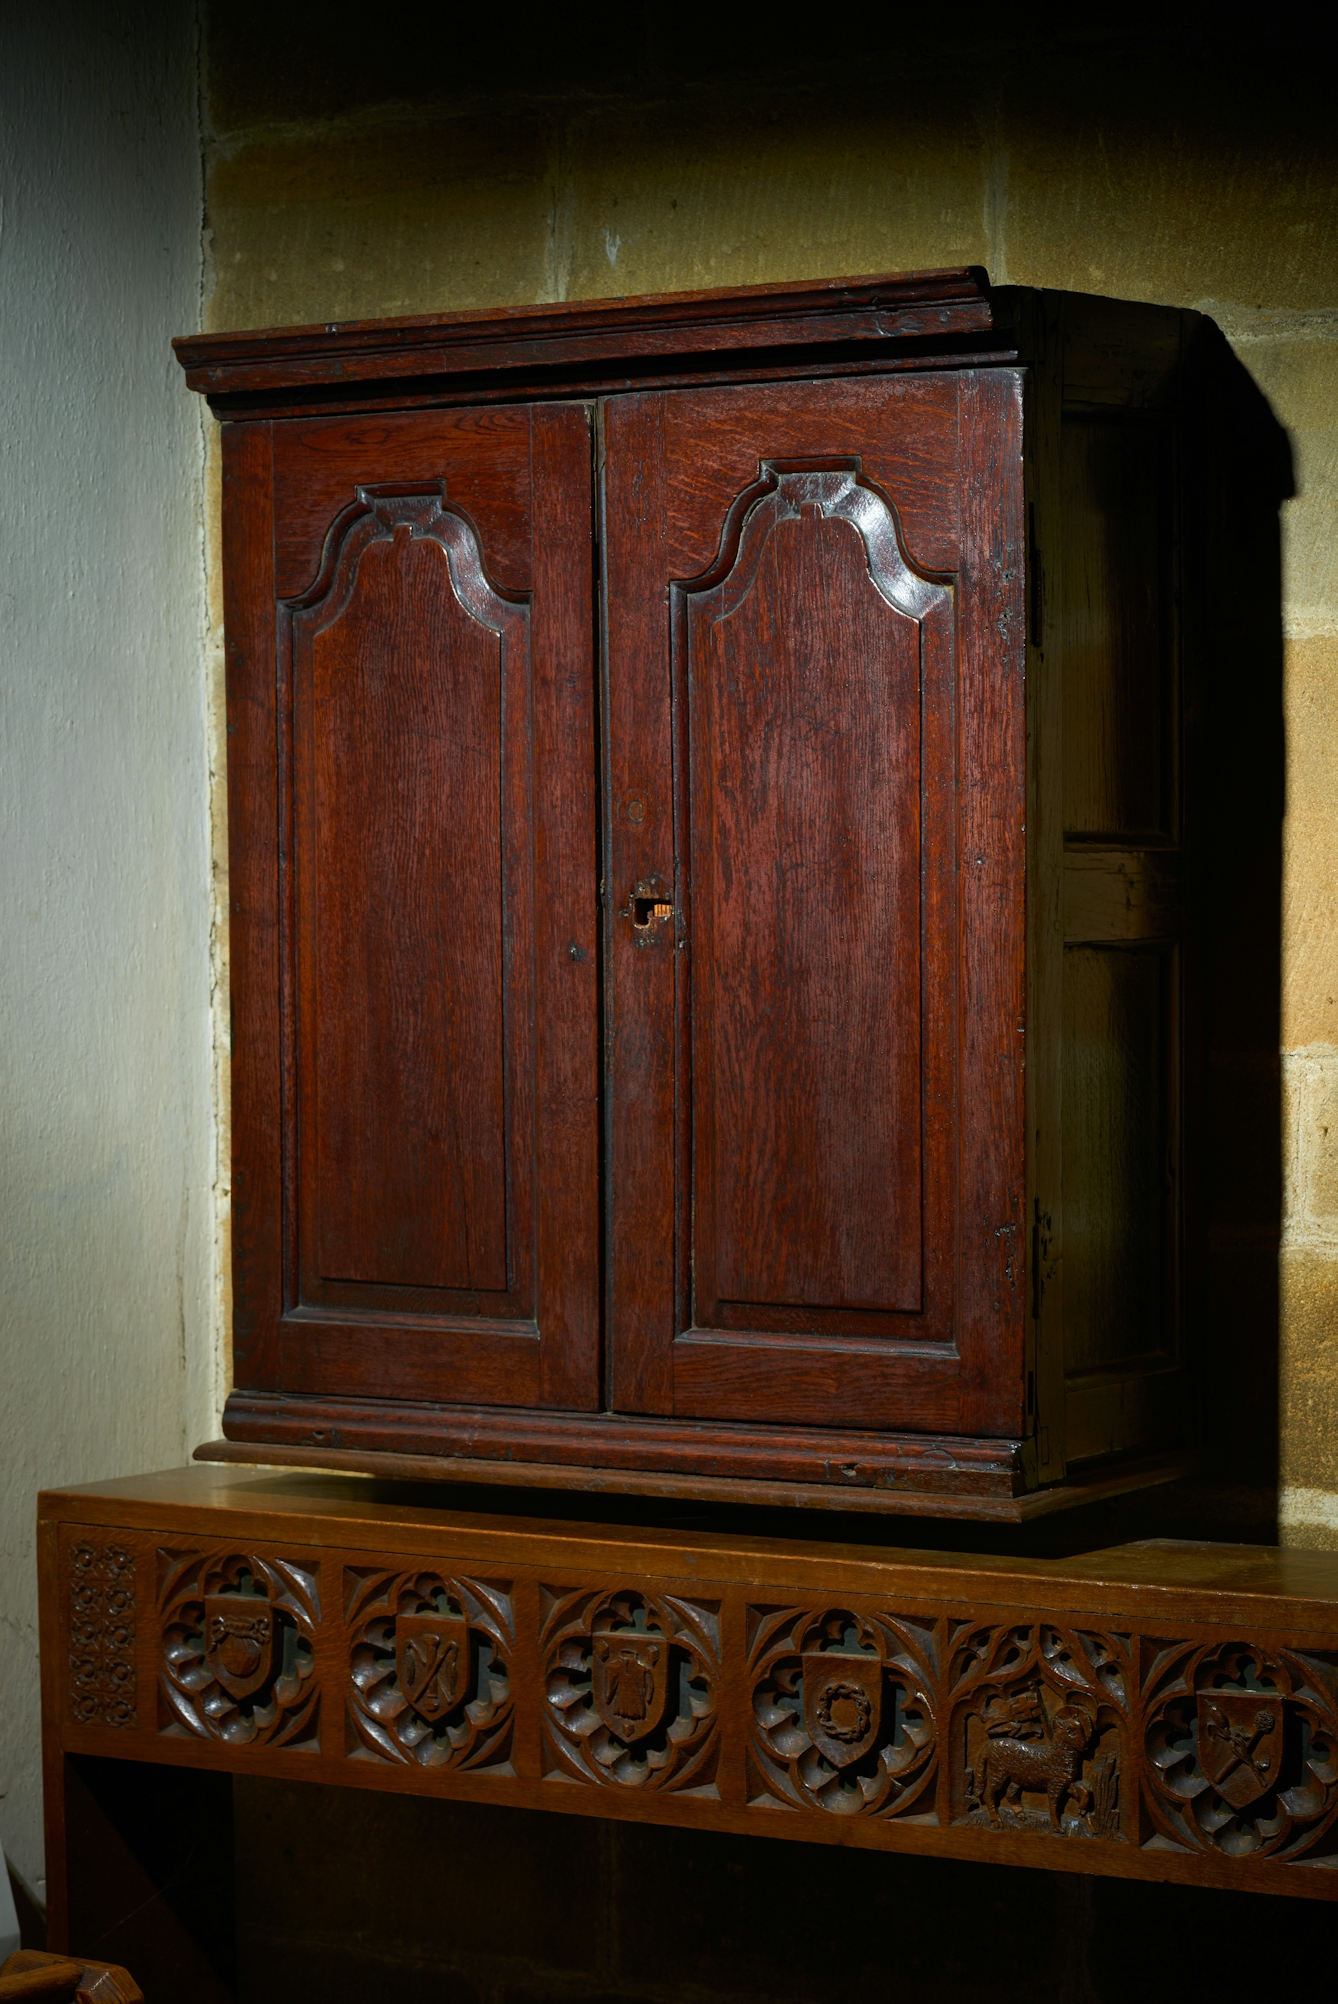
(705, 796)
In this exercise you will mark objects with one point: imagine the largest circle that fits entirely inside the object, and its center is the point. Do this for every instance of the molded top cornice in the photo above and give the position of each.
(589, 344)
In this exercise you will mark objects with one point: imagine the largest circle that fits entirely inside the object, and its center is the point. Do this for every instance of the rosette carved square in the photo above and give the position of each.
(1241, 1749)
(429, 1675)
(842, 1712)
(631, 1689)
(100, 1581)
(1040, 1731)
(238, 1648)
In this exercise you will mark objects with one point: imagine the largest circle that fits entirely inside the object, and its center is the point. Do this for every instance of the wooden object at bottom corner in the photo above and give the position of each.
(30, 1973)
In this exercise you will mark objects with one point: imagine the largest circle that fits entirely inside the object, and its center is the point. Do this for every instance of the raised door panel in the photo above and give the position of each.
(815, 950)
(431, 1032)
(414, 821)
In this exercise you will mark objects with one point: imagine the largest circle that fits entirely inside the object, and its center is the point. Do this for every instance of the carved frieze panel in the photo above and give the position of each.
(843, 1714)
(631, 1689)
(1040, 1732)
(1242, 1748)
(429, 1669)
(101, 1588)
(238, 1648)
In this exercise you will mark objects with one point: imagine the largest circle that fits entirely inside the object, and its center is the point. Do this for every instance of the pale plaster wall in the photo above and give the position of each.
(601, 150)
(107, 1235)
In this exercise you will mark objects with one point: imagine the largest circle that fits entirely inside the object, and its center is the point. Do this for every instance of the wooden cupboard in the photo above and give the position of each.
(705, 806)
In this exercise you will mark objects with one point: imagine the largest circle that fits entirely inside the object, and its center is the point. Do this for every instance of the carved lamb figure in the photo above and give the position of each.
(1048, 1766)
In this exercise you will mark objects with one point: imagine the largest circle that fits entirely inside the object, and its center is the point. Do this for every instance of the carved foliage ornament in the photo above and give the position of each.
(1242, 1748)
(631, 1684)
(843, 1714)
(1040, 1730)
(102, 1634)
(428, 1659)
(238, 1648)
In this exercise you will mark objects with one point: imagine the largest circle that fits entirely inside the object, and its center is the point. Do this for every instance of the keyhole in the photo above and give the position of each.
(646, 910)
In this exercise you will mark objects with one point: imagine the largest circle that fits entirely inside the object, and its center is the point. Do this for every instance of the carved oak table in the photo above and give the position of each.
(1160, 1710)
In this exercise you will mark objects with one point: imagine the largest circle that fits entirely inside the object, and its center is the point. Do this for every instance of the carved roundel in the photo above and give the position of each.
(1040, 1731)
(843, 1718)
(1242, 1748)
(630, 1685)
(428, 1669)
(239, 1648)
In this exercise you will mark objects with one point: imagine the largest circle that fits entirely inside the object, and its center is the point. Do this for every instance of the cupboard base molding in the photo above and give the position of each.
(612, 1448)
(896, 1488)
(1159, 1710)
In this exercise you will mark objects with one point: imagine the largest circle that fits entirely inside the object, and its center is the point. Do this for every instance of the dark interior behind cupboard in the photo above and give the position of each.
(715, 890)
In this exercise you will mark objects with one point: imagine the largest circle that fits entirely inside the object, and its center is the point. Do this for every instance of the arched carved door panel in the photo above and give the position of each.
(805, 978)
(433, 1169)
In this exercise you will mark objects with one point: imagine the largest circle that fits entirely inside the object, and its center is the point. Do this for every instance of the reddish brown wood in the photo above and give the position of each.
(402, 832)
(31, 1972)
(410, 841)
(1072, 1715)
(991, 824)
(580, 345)
(816, 775)
(826, 618)
(253, 892)
(844, 1458)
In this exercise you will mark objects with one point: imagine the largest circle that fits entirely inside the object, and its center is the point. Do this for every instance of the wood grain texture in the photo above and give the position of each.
(991, 817)
(1120, 894)
(1072, 1715)
(253, 890)
(830, 1450)
(400, 1193)
(1119, 716)
(581, 343)
(804, 694)
(403, 779)
(762, 894)
(870, 616)
(965, 1485)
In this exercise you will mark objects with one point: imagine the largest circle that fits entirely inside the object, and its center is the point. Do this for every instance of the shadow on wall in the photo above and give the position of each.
(1238, 471)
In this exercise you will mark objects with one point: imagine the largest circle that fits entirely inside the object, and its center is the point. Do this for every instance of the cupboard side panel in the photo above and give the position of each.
(992, 847)
(253, 872)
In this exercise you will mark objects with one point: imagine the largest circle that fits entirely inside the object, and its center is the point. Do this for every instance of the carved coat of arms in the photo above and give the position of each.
(239, 1641)
(432, 1661)
(843, 1703)
(1241, 1743)
(630, 1682)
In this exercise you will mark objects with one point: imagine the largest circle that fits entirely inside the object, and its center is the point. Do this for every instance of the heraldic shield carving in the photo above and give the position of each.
(843, 1716)
(631, 1682)
(1242, 1748)
(428, 1669)
(1240, 1743)
(239, 1648)
(843, 1699)
(432, 1661)
(239, 1640)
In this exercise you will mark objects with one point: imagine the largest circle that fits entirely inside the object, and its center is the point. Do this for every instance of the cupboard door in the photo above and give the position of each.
(413, 841)
(815, 936)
